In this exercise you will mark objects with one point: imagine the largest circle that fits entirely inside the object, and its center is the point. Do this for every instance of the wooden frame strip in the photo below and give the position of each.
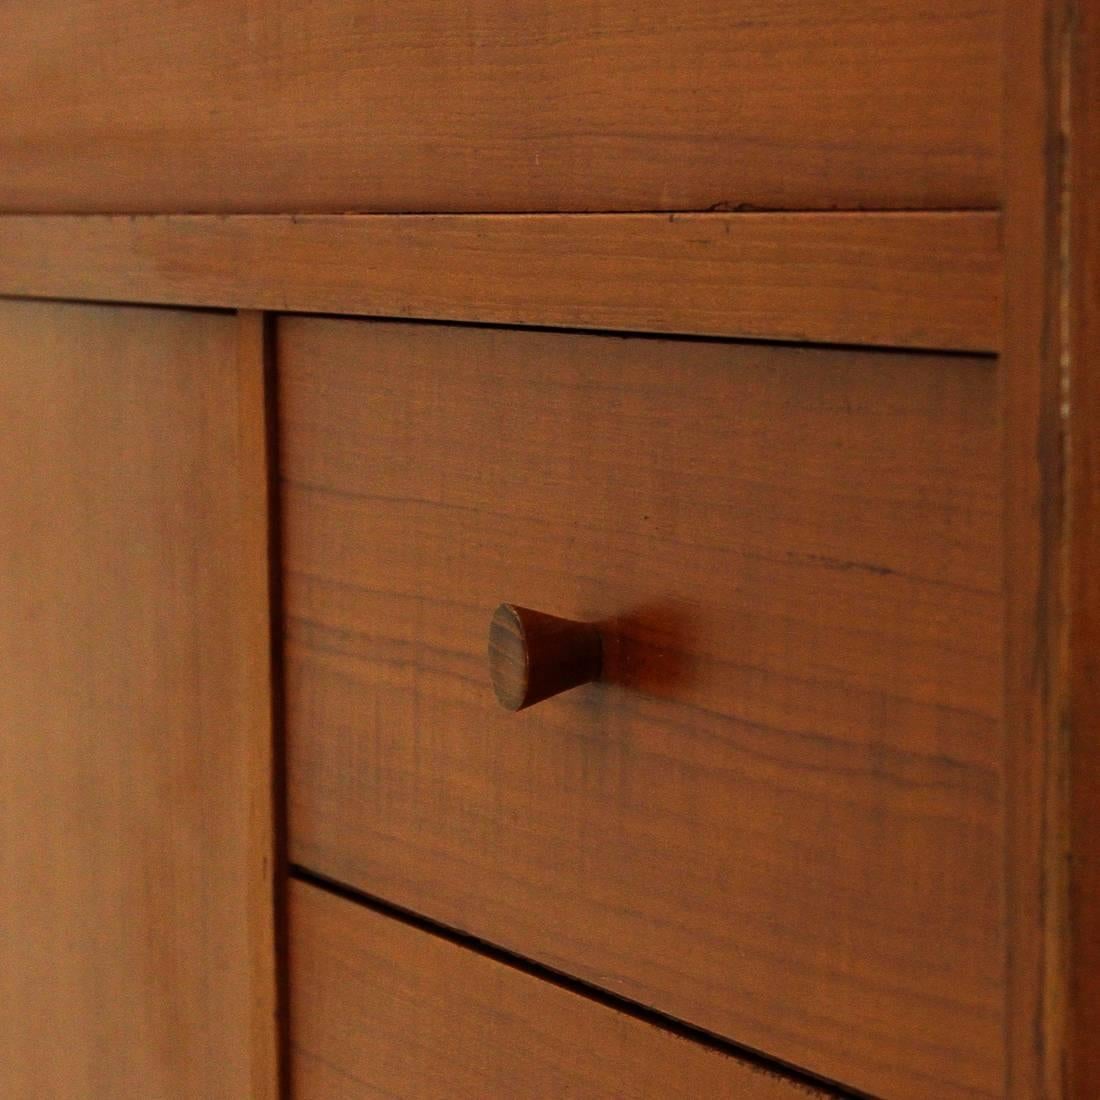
(266, 853)
(907, 280)
(1082, 306)
(1051, 414)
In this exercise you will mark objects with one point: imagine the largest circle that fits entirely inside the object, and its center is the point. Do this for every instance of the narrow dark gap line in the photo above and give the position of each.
(666, 337)
(819, 1086)
(276, 627)
(513, 326)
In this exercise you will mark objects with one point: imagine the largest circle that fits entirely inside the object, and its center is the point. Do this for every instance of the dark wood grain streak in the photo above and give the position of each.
(779, 816)
(293, 106)
(906, 280)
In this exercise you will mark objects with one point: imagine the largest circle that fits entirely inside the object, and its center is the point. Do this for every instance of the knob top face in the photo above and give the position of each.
(508, 658)
(533, 656)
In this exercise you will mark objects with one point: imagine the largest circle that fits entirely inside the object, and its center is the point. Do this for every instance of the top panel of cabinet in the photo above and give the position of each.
(499, 105)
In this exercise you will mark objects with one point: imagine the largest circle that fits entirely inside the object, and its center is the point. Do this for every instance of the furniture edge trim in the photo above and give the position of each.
(914, 280)
(265, 848)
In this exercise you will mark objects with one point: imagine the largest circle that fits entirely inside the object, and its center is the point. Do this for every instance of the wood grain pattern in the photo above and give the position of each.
(382, 1009)
(498, 105)
(1034, 390)
(780, 817)
(135, 866)
(1084, 709)
(904, 280)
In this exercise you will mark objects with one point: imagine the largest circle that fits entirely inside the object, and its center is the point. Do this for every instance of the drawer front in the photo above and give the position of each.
(499, 105)
(779, 816)
(382, 1009)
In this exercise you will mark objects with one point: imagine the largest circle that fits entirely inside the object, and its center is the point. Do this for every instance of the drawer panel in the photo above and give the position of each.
(295, 106)
(779, 818)
(382, 1009)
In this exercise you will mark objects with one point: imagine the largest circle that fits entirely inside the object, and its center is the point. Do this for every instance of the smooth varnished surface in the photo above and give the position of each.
(1084, 234)
(295, 106)
(779, 816)
(905, 280)
(383, 1009)
(136, 950)
(1051, 403)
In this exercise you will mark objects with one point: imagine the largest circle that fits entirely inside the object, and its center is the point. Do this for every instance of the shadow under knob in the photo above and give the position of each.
(533, 656)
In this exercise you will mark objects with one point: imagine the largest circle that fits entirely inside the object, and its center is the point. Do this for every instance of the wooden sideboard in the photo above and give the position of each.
(743, 348)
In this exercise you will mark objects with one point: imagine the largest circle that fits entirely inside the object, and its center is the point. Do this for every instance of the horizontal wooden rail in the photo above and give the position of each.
(912, 280)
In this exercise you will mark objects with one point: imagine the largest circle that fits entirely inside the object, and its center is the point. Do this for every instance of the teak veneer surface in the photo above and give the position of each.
(1083, 956)
(136, 942)
(294, 106)
(1050, 402)
(780, 818)
(930, 280)
(382, 1009)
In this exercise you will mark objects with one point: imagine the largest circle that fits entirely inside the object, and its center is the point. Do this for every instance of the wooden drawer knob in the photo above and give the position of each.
(533, 656)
